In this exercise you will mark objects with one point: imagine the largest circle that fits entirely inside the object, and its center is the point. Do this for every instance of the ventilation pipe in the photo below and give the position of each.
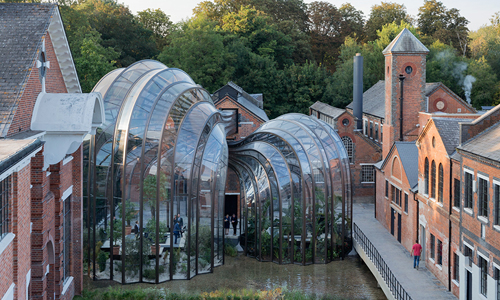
(358, 91)
(401, 87)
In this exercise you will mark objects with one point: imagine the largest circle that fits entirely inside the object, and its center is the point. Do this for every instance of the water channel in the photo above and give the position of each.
(347, 279)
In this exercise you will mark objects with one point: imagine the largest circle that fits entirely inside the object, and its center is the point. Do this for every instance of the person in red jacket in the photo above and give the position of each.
(416, 250)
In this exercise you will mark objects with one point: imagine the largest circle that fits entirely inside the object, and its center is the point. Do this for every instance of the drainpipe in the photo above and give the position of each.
(401, 87)
(449, 227)
(375, 193)
(418, 213)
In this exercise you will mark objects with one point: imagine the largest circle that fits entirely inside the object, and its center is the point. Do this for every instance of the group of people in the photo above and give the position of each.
(178, 227)
(230, 220)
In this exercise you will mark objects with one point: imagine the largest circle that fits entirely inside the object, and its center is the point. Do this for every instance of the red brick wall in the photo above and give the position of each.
(471, 223)
(482, 123)
(244, 115)
(54, 84)
(451, 103)
(21, 228)
(414, 98)
(384, 204)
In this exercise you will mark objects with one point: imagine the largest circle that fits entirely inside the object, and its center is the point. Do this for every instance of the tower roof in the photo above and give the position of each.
(405, 42)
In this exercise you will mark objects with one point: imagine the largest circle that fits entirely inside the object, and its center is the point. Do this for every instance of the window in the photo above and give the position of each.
(386, 188)
(439, 252)
(433, 246)
(366, 127)
(456, 193)
(496, 190)
(67, 236)
(367, 173)
(376, 131)
(433, 180)
(393, 193)
(483, 197)
(371, 130)
(4, 206)
(468, 253)
(468, 190)
(426, 177)
(406, 203)
(349, 148)
(398, 196)
(456, 268)
(440, 184)
(483, 266)
(381, 133)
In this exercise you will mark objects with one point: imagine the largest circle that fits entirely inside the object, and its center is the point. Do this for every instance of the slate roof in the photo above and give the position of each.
(449, 130)
(253, 102)
(253, 108)
(485, 144)
(405, 42)
(374, 98)
(327, 109)
(408, 153)
(22, 26)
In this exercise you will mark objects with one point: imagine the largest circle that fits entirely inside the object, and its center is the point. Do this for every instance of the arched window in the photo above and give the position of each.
(440, 183)
(349, 148)
(426, 177)
(433, 180)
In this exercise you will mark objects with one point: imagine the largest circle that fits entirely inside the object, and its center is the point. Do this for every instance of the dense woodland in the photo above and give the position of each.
(294, 53)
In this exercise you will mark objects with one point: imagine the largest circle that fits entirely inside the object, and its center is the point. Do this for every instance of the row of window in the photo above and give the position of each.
(430, 180)
(371, 130)
(5, 209)
(483, 195)
(439, 257)
(482, 263)
(397, 196)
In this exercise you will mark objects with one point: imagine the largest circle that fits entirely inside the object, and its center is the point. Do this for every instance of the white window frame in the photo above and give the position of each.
(362, 173)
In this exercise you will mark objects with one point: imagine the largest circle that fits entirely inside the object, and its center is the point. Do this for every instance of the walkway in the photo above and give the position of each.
(420, 284)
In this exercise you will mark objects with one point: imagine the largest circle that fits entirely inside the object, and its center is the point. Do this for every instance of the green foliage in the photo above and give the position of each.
(150, 190)
(101, 260)
(230, 250)
(129, 211)
(151, 230)
(383, 14)
(159, 23)
(151, 273)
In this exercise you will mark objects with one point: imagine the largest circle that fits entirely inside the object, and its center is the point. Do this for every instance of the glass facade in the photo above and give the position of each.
(162, 157)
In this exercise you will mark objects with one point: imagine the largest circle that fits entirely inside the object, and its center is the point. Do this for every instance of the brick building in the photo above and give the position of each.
(44, 118)
(249, 109)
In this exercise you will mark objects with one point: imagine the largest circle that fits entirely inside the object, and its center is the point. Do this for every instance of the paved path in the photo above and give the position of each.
(420, 284)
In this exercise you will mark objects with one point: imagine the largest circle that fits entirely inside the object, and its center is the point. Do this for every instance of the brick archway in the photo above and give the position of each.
(50, 276)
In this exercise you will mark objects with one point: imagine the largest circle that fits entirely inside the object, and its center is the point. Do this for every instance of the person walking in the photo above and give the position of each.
(177, 230)
(416, 250)
(234, 222)
(226, 224)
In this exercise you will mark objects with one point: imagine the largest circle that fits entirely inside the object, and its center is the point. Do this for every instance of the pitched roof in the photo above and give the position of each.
(449, 130)
(22, 27)
(405, 42)
(253, 102)
(327, 109)
(22, 30)
(408, 153)
(485, 144)
(259, 112)
(374, 100)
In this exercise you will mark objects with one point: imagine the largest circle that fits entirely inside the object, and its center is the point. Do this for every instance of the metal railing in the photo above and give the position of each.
(392, 282)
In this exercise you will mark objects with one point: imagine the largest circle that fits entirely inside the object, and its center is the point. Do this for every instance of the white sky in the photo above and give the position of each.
(478, 12)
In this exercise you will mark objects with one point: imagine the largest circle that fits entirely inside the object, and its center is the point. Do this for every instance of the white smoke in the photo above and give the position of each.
(467, 86)
(457, 69)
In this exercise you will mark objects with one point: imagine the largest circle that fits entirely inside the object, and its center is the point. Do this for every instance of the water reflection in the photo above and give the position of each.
(349, 278)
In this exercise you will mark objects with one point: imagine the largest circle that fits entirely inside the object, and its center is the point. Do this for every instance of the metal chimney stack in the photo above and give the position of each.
(358, 90)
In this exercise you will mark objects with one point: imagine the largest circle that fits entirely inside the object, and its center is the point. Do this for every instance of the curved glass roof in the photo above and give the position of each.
(162, 152)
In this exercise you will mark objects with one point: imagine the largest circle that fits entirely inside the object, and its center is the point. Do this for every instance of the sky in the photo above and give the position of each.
(478, 12)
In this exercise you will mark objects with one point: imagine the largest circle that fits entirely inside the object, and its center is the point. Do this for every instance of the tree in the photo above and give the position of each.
(159, 23)
(93, 60)
(383, 14)
(485, 42)
(352, 21)
(325, 25)
(439, 23)
(150, 189)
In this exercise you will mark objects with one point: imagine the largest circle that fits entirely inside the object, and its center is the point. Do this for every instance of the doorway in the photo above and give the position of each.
(392, 220)
(468, 293)
(231, 205)
(422, 241)
(399, 227)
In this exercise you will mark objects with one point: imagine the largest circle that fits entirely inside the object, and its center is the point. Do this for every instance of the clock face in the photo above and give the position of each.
(408, 70)
(440, 105)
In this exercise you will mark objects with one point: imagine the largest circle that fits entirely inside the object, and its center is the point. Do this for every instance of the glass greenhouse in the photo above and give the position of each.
(162, 152)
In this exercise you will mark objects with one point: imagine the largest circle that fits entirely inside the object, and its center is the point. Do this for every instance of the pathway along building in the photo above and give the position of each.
(162, 152)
